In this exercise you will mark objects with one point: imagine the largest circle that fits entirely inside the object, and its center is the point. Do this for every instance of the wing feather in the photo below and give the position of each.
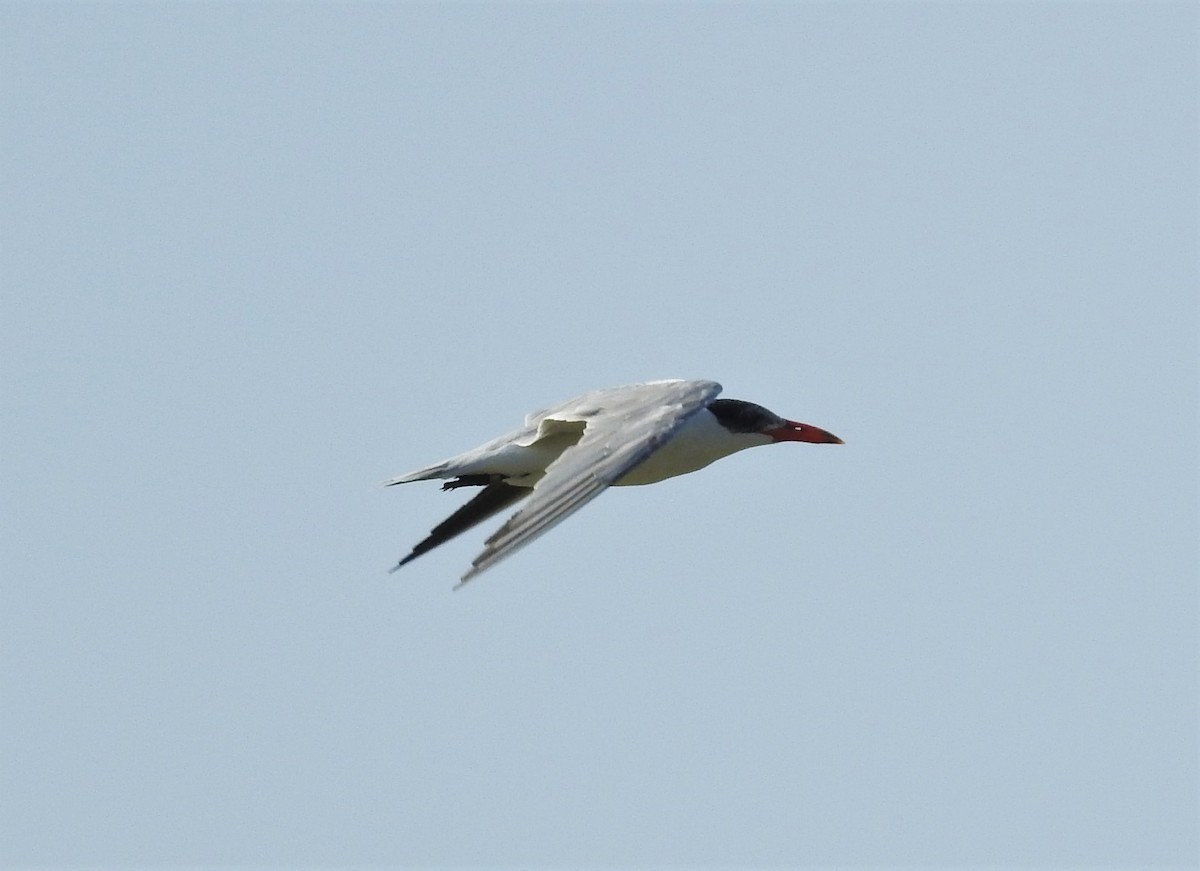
(623, 426)
(492, 499)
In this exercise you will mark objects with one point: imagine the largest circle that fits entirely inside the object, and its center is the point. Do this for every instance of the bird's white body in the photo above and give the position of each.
(699, 442)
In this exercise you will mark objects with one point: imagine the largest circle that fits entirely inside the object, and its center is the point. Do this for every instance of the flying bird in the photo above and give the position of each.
(566, 455)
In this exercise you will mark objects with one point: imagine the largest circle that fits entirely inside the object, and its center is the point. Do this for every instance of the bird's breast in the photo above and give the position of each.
(700, 441)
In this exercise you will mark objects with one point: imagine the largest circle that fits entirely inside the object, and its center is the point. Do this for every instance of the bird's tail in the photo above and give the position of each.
(429, 473)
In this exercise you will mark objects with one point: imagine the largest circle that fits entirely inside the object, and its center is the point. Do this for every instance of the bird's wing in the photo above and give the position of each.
(622, 426)
(492, 499)
(454, 466)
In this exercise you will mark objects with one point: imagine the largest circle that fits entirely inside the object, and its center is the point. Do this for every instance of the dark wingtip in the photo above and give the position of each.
(412, 556)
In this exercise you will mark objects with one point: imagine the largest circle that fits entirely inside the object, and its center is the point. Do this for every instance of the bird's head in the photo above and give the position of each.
(738, 416)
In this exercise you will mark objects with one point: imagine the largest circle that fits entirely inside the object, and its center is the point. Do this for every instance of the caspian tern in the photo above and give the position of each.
(566, 455)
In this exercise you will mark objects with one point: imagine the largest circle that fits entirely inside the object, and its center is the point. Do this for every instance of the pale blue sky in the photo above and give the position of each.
(257, 258)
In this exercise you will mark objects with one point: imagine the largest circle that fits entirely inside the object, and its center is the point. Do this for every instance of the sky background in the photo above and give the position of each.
(259, 257)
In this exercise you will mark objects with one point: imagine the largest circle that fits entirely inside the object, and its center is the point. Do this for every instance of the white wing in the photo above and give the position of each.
(622, 426)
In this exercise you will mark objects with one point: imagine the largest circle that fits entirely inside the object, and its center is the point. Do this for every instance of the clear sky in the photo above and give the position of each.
(259, 257)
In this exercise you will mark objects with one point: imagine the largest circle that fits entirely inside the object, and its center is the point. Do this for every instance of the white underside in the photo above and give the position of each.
(699, 442)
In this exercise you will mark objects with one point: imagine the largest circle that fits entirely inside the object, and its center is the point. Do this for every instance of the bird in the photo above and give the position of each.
(568, 454)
